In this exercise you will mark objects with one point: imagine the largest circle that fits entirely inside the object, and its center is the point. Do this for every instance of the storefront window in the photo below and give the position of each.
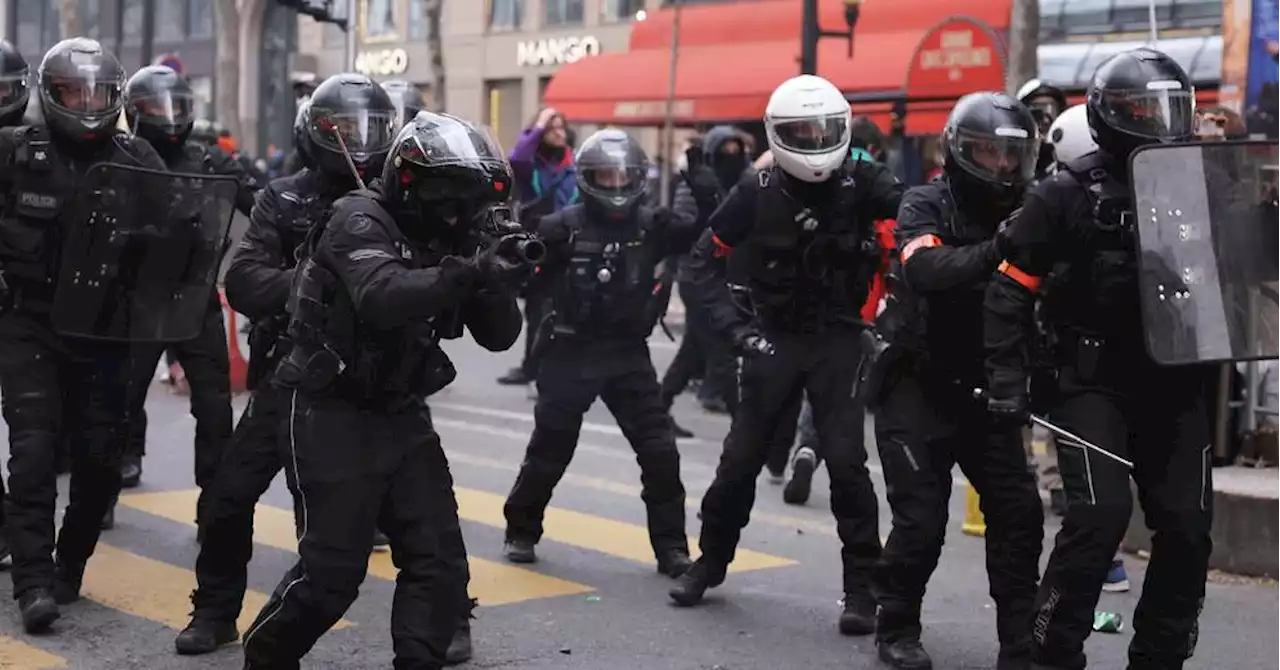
(200, 19)
(170, 17)
(505, 14)
(1197, 13)
(620, 10)
(562, 12)
(379, 18)
(1136, 14)
(132, 21)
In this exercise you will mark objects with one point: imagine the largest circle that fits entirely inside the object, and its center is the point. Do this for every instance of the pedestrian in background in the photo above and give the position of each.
(545, 183)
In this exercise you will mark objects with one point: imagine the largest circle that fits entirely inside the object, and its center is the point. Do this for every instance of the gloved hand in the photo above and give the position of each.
(751, 343)
(1009, 410)
(500, 264)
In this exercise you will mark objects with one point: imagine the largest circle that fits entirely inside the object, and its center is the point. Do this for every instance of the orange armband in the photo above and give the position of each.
(1015, 273)
(722, 250)
(922, 242)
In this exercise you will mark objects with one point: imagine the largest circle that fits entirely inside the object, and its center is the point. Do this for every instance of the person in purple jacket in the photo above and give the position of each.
(545, 182)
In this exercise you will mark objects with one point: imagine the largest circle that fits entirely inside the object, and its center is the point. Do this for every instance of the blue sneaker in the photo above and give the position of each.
(1117, 578)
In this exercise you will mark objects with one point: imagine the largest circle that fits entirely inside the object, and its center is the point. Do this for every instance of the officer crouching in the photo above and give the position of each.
(50, 380)
(927, 418)
(396, 269)
(603, 255)
(802, 232)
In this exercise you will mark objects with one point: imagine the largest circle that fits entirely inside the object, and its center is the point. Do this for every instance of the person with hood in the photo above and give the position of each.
(713, 169)
(542, 161)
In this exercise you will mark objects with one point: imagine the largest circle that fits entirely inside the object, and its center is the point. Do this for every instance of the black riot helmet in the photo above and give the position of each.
(445, 176)
(725, 154)
(349, 114)
(300, 133)
(14, 78)
(406, 97)
(1045, 101)
(159, 106)
(81, 86)
(990, 146)
(1139, 97)
(202, 132)
(612, 172)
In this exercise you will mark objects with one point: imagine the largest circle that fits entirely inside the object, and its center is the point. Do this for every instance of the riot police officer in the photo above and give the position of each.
(713, 169)
(1109, 391)
(927, 418)
(257, 285)
(393, 272)
(598, 280)
(158, 106)
(298, 158)
(406, 97)
(79, 87)
(804, 231)
(1047, 103)
(14, 93)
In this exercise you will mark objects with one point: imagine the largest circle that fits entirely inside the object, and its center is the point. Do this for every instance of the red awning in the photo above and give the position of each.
(726, 82)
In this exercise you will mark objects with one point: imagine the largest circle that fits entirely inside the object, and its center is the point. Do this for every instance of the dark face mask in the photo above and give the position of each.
(729, 168)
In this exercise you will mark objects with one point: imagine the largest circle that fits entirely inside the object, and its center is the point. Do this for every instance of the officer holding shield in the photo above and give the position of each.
(1110, 391)
(158, 107)
(50, 380)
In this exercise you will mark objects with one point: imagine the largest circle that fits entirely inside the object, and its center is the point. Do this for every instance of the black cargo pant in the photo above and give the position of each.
(927, 423)
(796, 428)
(351, 470)
(824, 365)
(208, 369)
(703, 353)
(251, 462)
(1156, 417)
(53, 387)
(574, 373)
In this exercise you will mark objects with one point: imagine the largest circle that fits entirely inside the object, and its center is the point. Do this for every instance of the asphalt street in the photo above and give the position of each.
(594, 601)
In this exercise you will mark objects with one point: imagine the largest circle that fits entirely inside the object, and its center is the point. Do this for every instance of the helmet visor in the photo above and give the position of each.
(85, 94)
(817, 135)
(433, 140)
(614, 182)
(1159, 111)
(13, 91)
(362, 133)
(167, 108)
(1007, 156)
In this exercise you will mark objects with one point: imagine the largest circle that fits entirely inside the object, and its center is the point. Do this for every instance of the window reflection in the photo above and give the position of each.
(562, 12)
(379, 18)
(505, 13)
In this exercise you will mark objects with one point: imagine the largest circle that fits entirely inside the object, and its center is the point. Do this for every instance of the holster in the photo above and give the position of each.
(879, 364)
(310, 369)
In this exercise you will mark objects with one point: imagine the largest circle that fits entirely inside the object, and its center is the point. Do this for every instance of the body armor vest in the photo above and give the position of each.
(809, 265)
(332, 352)
(608, 286)
(43, 184)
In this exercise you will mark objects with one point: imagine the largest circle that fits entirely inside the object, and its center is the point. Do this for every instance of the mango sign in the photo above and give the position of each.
(956, 57)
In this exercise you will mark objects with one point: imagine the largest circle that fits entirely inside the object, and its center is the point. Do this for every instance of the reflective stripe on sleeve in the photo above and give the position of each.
(919, 243)
(1027, 281)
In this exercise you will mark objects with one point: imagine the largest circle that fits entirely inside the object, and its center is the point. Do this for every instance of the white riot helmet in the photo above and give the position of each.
(1070, 135)
(807, 123)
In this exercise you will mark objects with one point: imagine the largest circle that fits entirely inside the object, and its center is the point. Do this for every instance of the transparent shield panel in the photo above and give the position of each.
(1206, 223)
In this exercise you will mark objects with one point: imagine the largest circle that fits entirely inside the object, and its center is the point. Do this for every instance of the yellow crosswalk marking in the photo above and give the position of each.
(22, 656)
(152, 589)
(588, 531)
(492, 583)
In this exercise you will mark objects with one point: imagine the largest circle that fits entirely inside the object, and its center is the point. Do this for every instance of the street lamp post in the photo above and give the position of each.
(811, 32)
(669, 123)
(350, 57)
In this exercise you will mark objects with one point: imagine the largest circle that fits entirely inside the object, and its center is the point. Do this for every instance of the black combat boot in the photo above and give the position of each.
(67, 579)
(905, 654)
(130, 472)
(796, 492)
(690, 587)
(39, 610)
(460, 646)
(519, 551)
(204, 635)
(859, 614)
(674, 562)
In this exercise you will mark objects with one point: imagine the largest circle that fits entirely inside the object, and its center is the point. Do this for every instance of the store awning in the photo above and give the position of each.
(733, 82)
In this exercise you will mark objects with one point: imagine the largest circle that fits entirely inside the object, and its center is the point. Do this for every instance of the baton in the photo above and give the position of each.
(1063, 432)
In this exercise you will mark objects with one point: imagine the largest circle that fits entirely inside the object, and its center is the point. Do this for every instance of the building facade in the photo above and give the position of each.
(499, 54)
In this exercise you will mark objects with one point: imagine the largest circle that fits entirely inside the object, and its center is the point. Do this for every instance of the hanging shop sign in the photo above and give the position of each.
(385, 62)
(556, 51)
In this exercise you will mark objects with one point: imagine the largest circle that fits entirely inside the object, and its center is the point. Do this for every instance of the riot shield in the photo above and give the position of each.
(1207, 250)
(141, 253)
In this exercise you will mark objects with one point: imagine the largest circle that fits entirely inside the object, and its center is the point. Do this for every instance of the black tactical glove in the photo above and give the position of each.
(500, 265)
(1011, 410)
